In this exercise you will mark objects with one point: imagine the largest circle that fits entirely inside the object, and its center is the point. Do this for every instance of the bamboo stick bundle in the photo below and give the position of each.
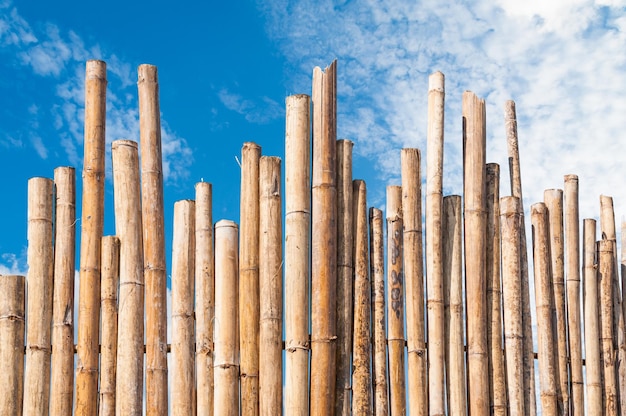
(510, 122)
(593, 369)
(452, 226)
(434, 280)
(12, 327)
(155, 270)
(511, 229)
(411, 220)
(362, 376)
(249, 279)
(606, 262)
(345, 274)
(545, 303)
(226, 335)
(297, 240)
(205, 298)
(39, 302)
(270, 286)
(183, 265)
(92, 223)
(572, 250)
(62, 370)
(553, 198)
(324, 242)
(379, 352)
(110, 280)
(126, 194)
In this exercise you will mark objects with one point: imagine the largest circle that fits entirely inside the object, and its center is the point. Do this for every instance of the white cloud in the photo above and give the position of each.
(260, 111)
(12, 264)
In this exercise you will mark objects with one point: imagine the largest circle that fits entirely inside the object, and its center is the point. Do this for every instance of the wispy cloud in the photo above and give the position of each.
(259, 111)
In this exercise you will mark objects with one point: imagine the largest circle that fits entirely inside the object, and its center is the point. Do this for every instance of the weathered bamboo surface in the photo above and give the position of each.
(12, 327)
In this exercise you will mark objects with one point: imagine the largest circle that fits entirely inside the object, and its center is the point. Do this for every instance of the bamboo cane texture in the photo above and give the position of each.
(608, 352)
(12, 319)
(593, 368)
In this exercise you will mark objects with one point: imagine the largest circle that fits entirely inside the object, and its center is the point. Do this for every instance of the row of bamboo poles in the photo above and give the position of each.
(437, 331)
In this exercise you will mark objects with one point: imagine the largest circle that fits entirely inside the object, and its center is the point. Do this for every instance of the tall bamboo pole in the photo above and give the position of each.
(606, 263)
(623, 281)
(12, 318)
(155, 269)
(324, 241)
(226, 321)
(297, 240)
(452, 226)
(607, 228)
(593, 368)
(183, 265)
(92, 222)
(270, 287)
(205, 298)
(62, 371)
(126, 194)
(39, 305)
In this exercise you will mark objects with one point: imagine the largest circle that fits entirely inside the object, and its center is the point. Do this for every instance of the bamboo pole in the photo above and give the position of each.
(593, 369)
(108, 299)
(606, 263)
(452, 226)
(249, 279)
(607, 228)
(12, 319)
(39, 304)
(623, 346)
(379, 352)
(297, 244)
(92, 222)
(323, 243)
(544, 302)
(226, 333)
(126, 194)
(183, 265)
(511, 229)
(205, 298)
(155, 268)
(270, 287)
(62, 370)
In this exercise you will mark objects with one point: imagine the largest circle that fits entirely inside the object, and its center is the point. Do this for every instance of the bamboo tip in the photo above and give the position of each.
(110, 239)
(538, 208)
(509, 110)
(605, 245)
(147, 72)
(394, 202)
(358, 185)
(250, 146)
(226, 224)
(452, 199)
(376, 213)
(41, 181)
(345, 142)
(124, 142)
(493, 168)
(571, 178)
(410, 152)
(270, 161)
(553, 193)
(65, 169)
(204, 186)
(436, 82)
(510, 205)
(605, 199)
(96, 69)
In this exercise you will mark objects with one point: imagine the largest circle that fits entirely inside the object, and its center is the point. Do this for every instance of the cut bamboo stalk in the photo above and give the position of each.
(226, 334)
(411, 217)
(606, 264)
(205, 298)
(270, 287)
(623, 345)
(511, 229)
(62, 371)
(183, 265)
(108, 299)
(297, 245)
(607, 229)
(39, 305)
(324, 242)
(126, 194)
(452, 226)
(155, 270)
(379, 352)
(249, 279)
(12, 319)
(593, 368)
(92, 223)
(545, 303)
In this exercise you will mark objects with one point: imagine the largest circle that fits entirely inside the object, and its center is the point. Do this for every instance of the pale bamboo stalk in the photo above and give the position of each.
(226, 335)
(62, 370)
(608, 232)
(622, 359)
(183, 265)
(249, 279)
(475, 217)
(511, 229)
(345, 274)
(324, 242)
(544, 302)
(205, 298)
(39, 302)
(572, 251)
(108, 304)
(92, 223)
(379, 351)
(606, 264)
(126, 194)
(593, 368)
(362, 375)
(434, 279)
(155, 268)
(12, 319)
(452, 226)
(270, 287)
(510, 123)
(297, 245)
(553, 198)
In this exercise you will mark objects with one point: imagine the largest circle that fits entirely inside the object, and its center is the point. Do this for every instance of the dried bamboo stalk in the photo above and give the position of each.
(12, 320)
(607, 229)
(606, 262)
(593, 368)
(622, 358)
